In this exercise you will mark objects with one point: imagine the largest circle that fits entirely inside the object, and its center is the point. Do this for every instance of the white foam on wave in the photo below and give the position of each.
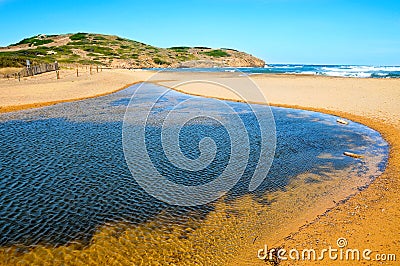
(377, 68)
(359, 71)
(362, 68)
(347, 74)
(382, 74)
(303, 73)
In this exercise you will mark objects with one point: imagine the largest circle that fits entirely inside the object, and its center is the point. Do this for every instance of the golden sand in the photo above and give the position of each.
(370, 219)
(46, 89)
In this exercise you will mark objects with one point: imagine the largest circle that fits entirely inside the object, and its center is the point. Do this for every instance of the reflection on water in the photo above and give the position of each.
(65, 184)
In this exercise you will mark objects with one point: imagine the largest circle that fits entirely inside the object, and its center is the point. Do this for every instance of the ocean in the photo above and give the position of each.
(356, 71)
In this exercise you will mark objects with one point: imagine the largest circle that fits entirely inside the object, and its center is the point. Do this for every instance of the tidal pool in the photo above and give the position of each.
(67, 195)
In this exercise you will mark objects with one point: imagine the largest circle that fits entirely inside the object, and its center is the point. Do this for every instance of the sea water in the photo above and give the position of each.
(358, 71)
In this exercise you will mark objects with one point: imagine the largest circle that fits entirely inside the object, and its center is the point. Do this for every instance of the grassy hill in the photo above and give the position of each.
(113, 51)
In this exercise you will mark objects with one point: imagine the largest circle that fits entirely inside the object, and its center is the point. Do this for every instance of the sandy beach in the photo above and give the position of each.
(368, 220)
(46, 89)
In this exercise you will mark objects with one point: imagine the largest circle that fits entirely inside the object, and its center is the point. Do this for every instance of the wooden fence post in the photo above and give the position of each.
(19, 77)
(58, 74)
(97, 69)
(90, 70)
(77, 72)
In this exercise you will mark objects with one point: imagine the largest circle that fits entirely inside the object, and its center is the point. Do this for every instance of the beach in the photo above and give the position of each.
(368, 219)
(46, 89)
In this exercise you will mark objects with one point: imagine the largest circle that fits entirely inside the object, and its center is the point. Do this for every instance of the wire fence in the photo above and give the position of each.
(33, 70)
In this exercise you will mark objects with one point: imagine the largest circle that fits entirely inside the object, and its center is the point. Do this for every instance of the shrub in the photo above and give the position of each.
(100, 50)
(99, 38)
(78, 36)
(216, 53)
(180, 49)
(160, 61)
(83, 42)
(12, 61)
(230, 49)
(34, 41)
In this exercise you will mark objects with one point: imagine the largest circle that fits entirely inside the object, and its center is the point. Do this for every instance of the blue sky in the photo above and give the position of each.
(279, 31)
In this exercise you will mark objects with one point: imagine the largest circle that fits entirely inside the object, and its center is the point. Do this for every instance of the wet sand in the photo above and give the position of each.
(369, 219)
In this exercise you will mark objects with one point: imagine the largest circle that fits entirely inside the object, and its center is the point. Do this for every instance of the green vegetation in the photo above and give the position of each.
(107, 51)
(230, 49)
(180, 49)
(92, 54)
(188, 57)
(216, 53)
(78, 36)
(135, 42)
(88, 48)
(12, 61)
(159, 61)
(38, 42)
(99, 38)
(62, 50)
(34, 41)
(84, 42)
(69, 60)
(18, 58)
